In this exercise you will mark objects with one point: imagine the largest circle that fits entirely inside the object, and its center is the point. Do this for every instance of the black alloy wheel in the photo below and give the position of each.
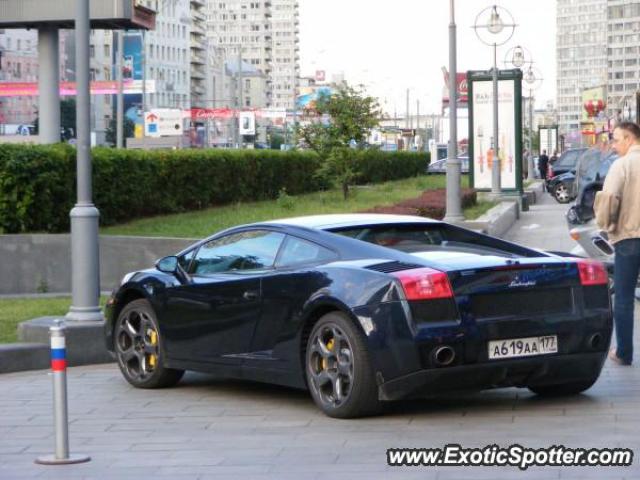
(138, 348)
(338, 368)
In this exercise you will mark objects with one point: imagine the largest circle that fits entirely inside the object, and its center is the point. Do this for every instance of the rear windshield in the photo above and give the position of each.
(413, 238)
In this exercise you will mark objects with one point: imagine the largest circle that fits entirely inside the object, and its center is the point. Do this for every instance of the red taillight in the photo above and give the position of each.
(592, 273)
(424, 284)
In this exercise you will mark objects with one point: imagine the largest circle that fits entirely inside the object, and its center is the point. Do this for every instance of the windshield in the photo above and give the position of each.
(412, 238)
(593, 166)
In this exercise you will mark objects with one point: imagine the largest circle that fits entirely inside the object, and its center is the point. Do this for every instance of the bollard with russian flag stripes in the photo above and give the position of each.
(61, 423)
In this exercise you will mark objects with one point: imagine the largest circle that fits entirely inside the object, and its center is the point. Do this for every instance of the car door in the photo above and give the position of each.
(285, 291)
(212, 318)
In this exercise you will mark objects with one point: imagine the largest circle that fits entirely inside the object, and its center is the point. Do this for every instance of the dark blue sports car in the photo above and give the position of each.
(362, 309)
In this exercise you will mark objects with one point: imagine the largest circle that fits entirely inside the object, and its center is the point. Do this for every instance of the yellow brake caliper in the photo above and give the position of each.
(330, 344)
(153, 340)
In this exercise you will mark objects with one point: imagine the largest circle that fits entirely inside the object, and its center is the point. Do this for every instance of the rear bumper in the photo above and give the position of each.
(521, 372)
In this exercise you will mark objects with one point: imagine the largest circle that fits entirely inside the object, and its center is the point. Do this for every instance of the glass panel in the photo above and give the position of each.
(298, 252)
(251, 250)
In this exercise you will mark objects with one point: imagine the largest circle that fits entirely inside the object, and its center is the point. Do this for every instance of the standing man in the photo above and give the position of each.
(543, 167)
(617, 212)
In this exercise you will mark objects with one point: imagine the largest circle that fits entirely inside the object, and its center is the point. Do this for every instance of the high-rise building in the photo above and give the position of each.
(286, 59)
(165, 53)
(581, 56)
(623, 72)
(198, 53)
(263, 34)
(169, 54)
(18, 63)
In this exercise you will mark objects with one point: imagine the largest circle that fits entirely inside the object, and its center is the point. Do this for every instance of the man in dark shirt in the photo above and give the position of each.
(543, 165)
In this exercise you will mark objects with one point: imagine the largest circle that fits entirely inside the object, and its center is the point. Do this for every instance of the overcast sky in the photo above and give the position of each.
(394, 45)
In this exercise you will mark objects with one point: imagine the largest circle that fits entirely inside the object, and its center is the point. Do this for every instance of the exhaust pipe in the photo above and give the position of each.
(595, 341)
(444, 356)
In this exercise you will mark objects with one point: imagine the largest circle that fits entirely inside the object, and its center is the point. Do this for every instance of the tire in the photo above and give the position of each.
(561, 193)
(562, 389)
(342, 384)
(139, 348)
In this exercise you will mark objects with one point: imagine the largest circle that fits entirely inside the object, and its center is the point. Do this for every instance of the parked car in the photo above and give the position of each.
(440, 166)
(566, 163)
(561, 187)
(592, 242)
(361, 309)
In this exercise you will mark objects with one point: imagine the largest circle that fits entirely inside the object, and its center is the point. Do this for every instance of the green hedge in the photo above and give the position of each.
(37, 183)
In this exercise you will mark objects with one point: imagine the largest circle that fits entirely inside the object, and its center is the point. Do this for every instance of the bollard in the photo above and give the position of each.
(61, 423)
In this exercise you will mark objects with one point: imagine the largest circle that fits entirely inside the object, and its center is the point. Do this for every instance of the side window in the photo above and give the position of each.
(251, 250)
(299, 252)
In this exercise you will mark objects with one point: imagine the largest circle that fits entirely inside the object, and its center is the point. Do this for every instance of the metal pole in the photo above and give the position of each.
(454, 203)
(49, 85)
(85, 268)
(144, 90)
(60, 406)
(120, 99)
(495, 172)
(530, 166)
(407, 119)
(239, 85)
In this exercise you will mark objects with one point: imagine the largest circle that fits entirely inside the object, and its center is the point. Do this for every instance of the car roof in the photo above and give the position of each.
(327, 222)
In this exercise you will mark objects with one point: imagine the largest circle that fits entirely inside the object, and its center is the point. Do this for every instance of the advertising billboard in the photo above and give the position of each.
(509, 141)
(132, 73)
(548, 139)
(247, 123)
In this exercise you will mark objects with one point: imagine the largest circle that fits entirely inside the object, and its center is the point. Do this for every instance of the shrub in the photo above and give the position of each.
(38, 186)
(431, 204)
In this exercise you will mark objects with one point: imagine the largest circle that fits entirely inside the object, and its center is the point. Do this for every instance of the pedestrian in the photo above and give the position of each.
(543, 167)
(617, 213)
(554, 157)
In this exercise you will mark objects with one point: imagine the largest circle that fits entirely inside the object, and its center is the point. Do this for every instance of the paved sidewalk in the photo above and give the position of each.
(543, 226)
(212, 429)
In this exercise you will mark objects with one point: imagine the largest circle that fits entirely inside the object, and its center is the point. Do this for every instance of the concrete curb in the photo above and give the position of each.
(85, 346)
(18, 357)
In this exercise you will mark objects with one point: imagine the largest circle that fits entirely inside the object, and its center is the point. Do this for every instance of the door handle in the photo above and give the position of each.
(251, 295)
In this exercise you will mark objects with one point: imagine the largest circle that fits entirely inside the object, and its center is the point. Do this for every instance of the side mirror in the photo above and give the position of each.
(168, 265)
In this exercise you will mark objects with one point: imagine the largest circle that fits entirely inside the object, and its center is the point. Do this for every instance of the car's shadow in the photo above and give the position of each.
(464, 403)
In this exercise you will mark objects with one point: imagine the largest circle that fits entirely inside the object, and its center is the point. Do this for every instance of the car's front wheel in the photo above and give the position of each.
(561, 193)
(338, 369)
(561, 389)
(139, 348)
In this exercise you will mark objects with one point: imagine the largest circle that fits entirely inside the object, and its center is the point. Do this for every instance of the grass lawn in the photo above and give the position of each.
(480, 209)
(16, 310)
(202, 223)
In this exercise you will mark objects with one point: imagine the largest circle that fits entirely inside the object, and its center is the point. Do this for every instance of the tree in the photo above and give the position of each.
(128, 130)
(352, 114)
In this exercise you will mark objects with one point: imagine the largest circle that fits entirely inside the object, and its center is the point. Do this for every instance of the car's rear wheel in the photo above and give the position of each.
(561, 389)
(338, 368)
(561, 193)
(139, 348)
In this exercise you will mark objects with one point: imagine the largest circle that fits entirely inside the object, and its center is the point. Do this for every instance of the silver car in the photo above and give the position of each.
(440, 166)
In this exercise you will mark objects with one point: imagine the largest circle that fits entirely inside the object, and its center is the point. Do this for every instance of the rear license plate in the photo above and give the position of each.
(523, 347)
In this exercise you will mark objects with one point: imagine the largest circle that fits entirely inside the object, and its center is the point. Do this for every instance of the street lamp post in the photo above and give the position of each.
(454, 201)
(85, 270)
(500, 33)
(518, 56)
(533, 79)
